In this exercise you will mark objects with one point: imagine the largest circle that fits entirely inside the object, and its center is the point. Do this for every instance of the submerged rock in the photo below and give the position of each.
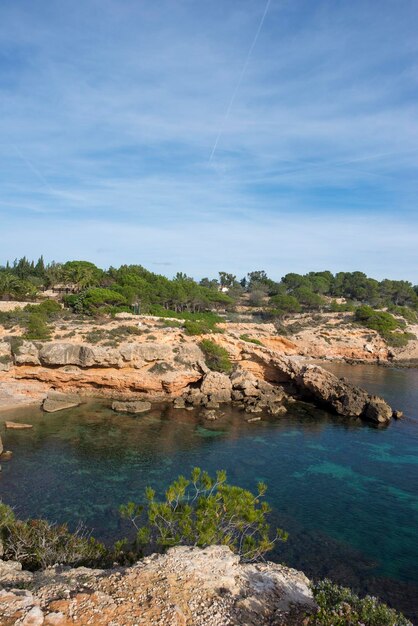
(56, 401)
(136, 407)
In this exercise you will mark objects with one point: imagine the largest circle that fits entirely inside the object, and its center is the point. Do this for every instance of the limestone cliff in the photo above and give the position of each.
(185, 587)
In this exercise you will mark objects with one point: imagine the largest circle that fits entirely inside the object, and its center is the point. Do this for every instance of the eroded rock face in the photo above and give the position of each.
(207, 587)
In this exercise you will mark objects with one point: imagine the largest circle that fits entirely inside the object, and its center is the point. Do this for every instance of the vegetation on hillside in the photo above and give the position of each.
(339, 606)
(217, 358)
(88, 290)
(385, 324)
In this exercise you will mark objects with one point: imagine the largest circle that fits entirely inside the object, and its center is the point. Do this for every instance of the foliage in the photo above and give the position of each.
(37, 328)
(203, 511)
(385, 324)
(285, 304)
(399, 340)
(338, 606)
(37, 544)
(250, 339)
(95, 300)
(217, 358)
(408, 314)
(208, 316)
(200, 327)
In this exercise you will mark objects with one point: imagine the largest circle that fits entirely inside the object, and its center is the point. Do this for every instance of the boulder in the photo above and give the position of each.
(377, 410)
(136, 406)
(179, 403)
(241, 378)
(194, 397)
(217, 386)
(277, 409)
(82, 355)
(27, 354)
(57, 401)
(397, 415)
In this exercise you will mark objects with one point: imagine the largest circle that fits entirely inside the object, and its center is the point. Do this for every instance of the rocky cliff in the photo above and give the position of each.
(263, 378)
(185, 587)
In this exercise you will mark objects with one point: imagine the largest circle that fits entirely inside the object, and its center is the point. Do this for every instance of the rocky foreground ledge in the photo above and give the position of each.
(174, 369)
(185, 587)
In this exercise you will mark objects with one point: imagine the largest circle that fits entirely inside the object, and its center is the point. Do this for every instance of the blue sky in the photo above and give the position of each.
(110, 111)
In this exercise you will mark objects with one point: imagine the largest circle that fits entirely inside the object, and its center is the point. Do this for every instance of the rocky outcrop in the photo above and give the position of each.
(313, 383)
(5, 356)
(263, 379)
(186, 586)
(155, 369)
(217, 387)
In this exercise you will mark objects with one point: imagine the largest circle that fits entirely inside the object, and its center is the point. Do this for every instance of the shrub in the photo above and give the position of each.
(203, 511)
(47, 308)
(385, 324)
(250, 339)
(37, 328)
(160, 311)
(338, 606)
(217, 358)
(404, 311)
(380, 321)
(37, 544)
(200, 327)
(172, 324)
(399, 340)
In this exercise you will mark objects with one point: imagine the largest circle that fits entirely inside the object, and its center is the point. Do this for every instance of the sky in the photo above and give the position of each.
(205, 136)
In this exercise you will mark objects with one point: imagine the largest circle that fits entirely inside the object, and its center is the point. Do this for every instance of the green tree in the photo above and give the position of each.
(203, 511)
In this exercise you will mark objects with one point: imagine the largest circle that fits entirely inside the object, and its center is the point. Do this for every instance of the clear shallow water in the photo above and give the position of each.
(346, 492)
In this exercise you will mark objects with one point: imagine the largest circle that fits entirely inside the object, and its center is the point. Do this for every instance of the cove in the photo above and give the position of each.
(346, 492)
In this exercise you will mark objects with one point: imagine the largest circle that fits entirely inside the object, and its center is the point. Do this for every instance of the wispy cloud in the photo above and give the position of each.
(108, 114)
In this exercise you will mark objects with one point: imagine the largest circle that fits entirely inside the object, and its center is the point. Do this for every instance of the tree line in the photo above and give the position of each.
(91, 287)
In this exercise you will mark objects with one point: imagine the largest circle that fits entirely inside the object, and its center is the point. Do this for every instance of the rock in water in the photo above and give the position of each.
(378, 411)
(56, 401)
(131, 407)
(17, 425)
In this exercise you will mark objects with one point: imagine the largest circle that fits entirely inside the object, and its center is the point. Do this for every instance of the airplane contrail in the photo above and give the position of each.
(241, 76)
(33, 169)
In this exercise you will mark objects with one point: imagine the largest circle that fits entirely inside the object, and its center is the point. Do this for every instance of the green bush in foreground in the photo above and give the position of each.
(339, 606)
(217, 358)
(37, 544)
(203, 511)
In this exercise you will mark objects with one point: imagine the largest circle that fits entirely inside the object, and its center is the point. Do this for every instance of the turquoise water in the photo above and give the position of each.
(346, 492)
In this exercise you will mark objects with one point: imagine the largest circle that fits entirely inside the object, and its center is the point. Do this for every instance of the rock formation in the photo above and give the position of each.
(186, 586)
(263, 380)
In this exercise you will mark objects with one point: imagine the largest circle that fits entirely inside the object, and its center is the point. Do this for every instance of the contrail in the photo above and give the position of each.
(33, 169)
(241, 76)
